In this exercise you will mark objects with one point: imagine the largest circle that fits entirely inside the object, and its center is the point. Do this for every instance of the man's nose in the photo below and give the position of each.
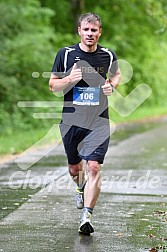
(89, 33)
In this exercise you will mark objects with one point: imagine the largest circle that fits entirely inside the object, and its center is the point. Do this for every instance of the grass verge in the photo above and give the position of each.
(20, 140)
(142, 113)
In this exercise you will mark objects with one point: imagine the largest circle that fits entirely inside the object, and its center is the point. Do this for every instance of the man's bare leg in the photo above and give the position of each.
(92, 187)
(91, 194)
(77, 172)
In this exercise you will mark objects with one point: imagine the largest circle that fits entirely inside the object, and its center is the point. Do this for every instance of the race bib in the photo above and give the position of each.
(86, 95)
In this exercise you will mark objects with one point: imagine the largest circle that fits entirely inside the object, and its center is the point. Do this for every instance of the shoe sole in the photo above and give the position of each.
(86, 229)
(80, 207)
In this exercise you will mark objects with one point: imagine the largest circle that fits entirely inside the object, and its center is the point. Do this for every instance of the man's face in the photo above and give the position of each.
(89, 33)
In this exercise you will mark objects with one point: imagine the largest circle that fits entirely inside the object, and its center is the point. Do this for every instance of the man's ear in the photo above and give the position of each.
(79, 30)
(100, 32)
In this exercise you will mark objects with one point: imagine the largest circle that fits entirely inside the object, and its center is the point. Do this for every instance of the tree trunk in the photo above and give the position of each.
(78, 7)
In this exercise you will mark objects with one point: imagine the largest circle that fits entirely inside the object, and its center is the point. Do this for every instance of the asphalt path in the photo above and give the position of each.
(39, 213)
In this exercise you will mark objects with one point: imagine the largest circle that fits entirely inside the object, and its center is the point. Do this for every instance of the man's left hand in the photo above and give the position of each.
(107, 88)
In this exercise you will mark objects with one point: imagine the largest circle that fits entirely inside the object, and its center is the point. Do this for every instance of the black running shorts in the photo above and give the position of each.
(81, 143)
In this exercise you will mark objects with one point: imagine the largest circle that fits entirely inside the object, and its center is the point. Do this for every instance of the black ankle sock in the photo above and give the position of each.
(89, 209)
(81, 186)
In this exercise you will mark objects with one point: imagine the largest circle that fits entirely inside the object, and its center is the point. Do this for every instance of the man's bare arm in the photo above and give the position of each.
(56, 84)
(115, 78)
(111, 83)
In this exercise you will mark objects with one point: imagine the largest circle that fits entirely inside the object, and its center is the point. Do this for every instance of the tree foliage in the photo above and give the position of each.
(26, 47)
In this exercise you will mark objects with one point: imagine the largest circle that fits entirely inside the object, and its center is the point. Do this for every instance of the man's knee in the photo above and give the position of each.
(93, 168)
(74, 169)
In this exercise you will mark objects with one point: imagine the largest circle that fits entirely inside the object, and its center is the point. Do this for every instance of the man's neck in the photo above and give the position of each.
(87, 48)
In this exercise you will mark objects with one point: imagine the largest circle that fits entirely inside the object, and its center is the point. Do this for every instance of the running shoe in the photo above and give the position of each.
(79, 198)
(86, 227)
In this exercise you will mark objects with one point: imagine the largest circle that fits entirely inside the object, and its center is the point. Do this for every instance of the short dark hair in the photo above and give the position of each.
(90, 18)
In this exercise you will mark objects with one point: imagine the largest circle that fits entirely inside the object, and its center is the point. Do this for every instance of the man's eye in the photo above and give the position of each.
(92, 30)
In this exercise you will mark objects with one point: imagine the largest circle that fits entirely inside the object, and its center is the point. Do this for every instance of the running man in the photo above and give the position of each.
(80, 72)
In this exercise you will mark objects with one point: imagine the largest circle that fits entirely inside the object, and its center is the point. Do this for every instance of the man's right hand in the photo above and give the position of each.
(57, 85)
(75, 75)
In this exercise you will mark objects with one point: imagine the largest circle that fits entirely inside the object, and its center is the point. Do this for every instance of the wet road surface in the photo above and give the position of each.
(38, 205)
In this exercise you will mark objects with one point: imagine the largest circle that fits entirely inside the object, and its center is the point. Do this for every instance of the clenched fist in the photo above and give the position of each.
(75, 75)
(107, 88)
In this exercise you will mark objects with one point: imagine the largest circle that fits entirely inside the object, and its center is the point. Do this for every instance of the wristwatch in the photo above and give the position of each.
(113, 88)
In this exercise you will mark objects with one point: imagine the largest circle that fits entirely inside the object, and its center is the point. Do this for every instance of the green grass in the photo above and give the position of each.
(139, 114)
(19, 140)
